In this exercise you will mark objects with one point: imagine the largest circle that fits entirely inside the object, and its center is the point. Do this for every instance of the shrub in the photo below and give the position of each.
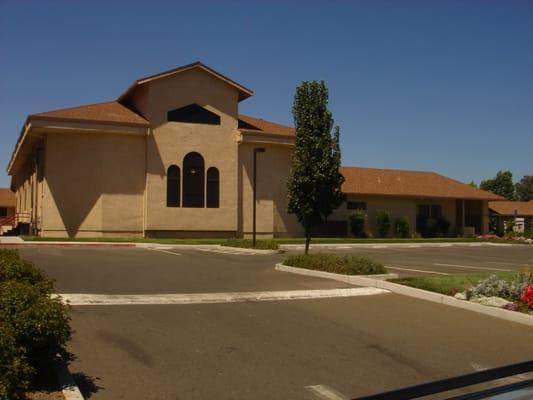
(401, 227)
(348, 265)
(248, 244)
(357, 223)
(383, 222)
(443, 226)
(34, 327)
(15, 372)
(495, 286)
(39, 322)
(13, 268)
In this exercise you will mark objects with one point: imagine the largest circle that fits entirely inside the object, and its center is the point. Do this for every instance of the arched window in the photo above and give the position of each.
(173, 186)
(193, 180)
(213, 188)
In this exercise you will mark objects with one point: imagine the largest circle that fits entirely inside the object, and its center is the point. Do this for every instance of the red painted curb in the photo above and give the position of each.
(68, 244)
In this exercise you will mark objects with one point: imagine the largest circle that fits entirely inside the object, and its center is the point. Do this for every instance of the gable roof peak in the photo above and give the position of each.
(244, 92)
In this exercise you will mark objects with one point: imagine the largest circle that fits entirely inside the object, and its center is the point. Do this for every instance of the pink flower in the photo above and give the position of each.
(527, 296)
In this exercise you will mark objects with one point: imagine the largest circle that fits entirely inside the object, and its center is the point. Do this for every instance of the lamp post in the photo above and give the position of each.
(256, 150)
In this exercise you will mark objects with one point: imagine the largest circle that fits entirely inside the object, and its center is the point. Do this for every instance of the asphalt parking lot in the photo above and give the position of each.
(346, 347)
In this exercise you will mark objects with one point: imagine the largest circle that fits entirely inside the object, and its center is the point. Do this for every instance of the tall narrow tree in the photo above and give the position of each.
(314, 185)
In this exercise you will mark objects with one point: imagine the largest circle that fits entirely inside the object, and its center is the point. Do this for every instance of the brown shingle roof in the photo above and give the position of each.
(509, 207)
(392, 182)
(244, 92)
(108, 112)
(257, 124)
(7, 198)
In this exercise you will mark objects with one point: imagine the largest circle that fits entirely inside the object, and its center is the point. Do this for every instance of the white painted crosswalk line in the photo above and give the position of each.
(86, 299)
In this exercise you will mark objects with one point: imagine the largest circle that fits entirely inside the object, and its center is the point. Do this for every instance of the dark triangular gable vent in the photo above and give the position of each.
(193, 114)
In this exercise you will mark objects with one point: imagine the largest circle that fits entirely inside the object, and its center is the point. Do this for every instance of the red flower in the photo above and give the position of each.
(527, 296)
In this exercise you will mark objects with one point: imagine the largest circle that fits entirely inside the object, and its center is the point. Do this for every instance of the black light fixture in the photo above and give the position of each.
(256, 150)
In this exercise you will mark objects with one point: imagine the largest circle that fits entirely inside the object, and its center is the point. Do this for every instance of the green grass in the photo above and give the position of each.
(347, 265)
(248, 244)
(451, 284)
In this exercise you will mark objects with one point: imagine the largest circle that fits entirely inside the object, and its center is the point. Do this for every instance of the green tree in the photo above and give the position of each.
(314, 184)
(524, 188)
(501, 184)
(383, 222)
(473, 184)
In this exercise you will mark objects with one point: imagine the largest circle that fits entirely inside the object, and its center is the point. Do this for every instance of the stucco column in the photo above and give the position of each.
(484, 217)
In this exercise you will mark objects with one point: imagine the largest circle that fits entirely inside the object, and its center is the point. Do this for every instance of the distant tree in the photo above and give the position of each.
(473, 184)
(501, 184)
(524, 188)
(314, 184)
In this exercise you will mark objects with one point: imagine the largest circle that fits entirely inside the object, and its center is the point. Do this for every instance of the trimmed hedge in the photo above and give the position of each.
(347, 265)
(34, 327)
(248, 244)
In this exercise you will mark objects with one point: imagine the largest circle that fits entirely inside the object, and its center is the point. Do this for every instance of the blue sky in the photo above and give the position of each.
(445, 86)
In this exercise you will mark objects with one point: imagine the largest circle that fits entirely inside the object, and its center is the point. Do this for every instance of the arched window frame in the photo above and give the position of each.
(193, 180)
(213, 188)
(173, 186)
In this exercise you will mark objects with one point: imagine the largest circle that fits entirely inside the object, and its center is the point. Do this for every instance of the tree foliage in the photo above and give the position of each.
(501, 184)
(524, 188)
(314, 184)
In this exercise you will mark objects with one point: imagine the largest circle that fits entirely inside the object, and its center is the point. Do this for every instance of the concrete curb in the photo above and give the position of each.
(255, 251)
(69, 244)
(70, 390)
(409, 245)
(367, 281)
(159, 246)
(351, 279)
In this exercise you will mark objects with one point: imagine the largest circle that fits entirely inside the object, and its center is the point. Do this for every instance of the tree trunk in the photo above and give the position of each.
(307, 239)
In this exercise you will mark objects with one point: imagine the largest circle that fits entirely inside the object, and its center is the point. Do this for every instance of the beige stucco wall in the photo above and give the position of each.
(94, 184)
(169, 142)
(272, 171)
(398, 207)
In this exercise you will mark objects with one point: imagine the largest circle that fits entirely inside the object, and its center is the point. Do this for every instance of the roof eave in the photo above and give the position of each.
(34, 117)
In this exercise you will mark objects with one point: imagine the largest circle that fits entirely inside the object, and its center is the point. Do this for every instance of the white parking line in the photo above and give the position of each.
(166, 251)
(325, 392)
(472, 267)
(510, 263)
(416, 270)
(83, 299)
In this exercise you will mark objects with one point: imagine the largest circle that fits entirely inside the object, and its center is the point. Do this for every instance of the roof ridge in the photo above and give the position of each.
(393, 169)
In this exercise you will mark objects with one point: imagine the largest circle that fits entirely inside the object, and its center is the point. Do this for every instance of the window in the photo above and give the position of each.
(193, 114)
(436, 211)
(193, 180)
(212, 188)
(356, 205)
(173, 186)
(423, 211)
(3, 212)
(433, 211)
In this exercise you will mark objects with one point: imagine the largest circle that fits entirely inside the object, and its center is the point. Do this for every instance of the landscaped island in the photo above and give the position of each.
(509, 290)
(337, 264)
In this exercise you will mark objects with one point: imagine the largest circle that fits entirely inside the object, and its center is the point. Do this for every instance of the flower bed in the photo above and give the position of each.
(515, 294)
